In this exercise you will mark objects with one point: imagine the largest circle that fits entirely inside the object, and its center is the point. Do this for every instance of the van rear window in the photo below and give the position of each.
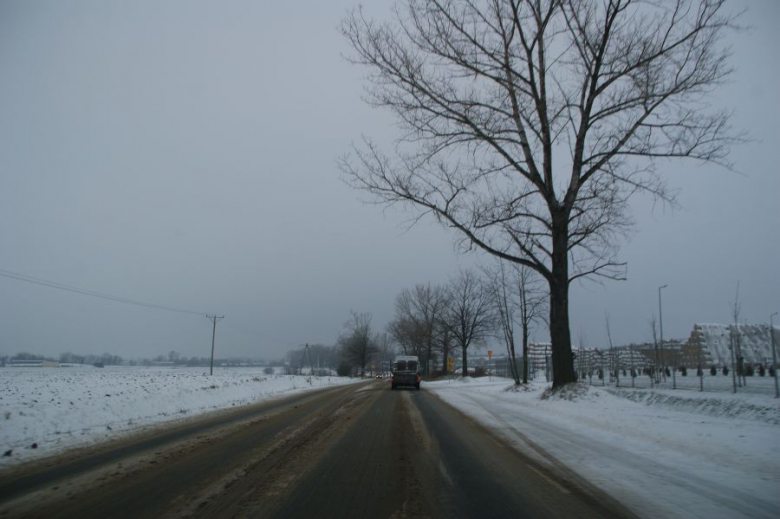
(406, 365)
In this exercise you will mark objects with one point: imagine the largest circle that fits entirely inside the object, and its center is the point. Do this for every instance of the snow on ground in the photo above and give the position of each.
(60, 408)
(662, 452)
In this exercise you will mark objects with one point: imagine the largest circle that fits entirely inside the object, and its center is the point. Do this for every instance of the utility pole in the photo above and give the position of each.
(774, 353)
(214, 319)
(661, 326)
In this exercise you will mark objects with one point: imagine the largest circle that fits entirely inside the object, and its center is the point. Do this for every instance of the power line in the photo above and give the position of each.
(91, 293)
(250, 330)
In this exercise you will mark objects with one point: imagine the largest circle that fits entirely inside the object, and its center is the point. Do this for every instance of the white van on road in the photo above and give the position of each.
(405, 372)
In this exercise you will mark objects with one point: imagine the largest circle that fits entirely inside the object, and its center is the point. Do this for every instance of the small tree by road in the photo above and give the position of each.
(519, 299)
(469, 317)
(417, 323)
(384, 352)
(356, 342)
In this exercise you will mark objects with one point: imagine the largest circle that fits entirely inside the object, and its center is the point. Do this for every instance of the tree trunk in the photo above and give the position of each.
(465, 363)
(428, 355)
(513, 363)
(560, 336)
(525, 319)
(525, 354)
(446, 351)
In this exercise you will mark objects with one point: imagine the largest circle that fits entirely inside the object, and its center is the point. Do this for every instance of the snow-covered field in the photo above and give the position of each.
(54, 409)
(663, 453)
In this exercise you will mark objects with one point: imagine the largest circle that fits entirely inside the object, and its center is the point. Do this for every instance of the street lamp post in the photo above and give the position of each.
(774, 353)
(661, 325)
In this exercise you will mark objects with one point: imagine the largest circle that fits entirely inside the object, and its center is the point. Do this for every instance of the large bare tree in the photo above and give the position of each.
(528, 124)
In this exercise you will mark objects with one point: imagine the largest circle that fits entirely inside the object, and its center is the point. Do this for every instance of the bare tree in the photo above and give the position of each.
(505, 309)
(533, 303)
(737, 372)
(469, 315)
(657, 361)
(581, 338)
(405, 330)
(517, 298)
(356, 344)
(614, 362)
(384, 351)
(417, 323)
(445, 344)
(528, 124)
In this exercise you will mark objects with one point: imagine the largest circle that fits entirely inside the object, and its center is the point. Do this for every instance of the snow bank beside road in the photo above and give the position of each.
(745, 406)
(60, 408)
(662, 453)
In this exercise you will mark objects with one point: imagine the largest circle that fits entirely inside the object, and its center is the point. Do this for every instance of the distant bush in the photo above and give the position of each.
(725, 370)
(344, 369)
(480, 371)
(713, 371)
(268, 370)
(761, 370)
(684, 371)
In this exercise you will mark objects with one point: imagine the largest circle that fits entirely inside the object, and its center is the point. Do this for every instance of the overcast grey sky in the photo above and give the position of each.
(184, 154)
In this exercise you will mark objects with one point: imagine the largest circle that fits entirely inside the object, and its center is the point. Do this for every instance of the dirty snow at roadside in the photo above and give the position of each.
(662, 453)
(59, 408)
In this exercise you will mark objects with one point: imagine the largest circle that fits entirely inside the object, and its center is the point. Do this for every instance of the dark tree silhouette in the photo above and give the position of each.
(528, 124)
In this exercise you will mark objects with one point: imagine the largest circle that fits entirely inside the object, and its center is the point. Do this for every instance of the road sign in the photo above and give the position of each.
(490, 354)
(450, 363)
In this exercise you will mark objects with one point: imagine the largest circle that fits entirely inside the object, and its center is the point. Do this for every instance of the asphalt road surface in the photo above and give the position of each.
(359, 451)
